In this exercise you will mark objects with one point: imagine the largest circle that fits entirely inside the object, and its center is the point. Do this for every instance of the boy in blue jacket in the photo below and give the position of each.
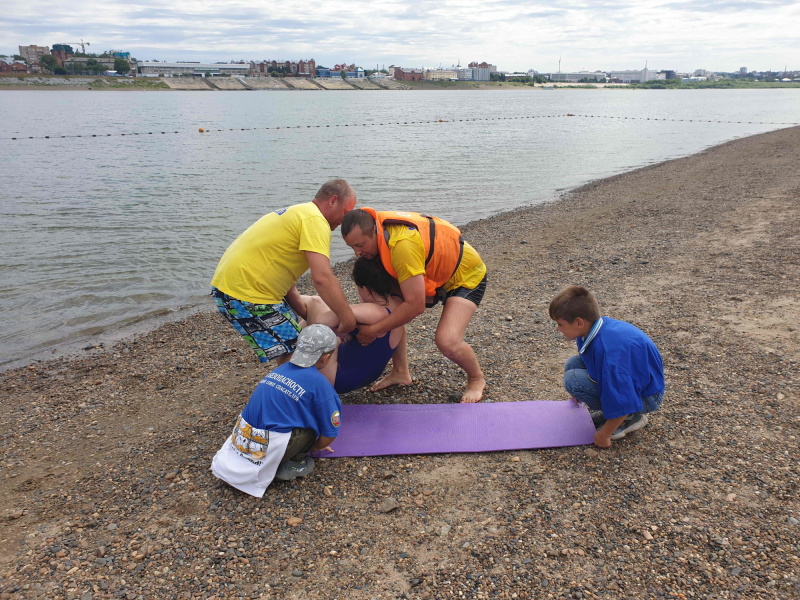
(617, 372)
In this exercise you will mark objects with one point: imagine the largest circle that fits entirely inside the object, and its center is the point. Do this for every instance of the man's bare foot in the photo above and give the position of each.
(392, 379)
(474, 391)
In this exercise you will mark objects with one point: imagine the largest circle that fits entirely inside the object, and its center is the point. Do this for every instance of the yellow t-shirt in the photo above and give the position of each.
(408, 259)
(265, 261)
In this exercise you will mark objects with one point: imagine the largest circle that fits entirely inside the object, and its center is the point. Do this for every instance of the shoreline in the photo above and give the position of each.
(701, 252)
(143, 84)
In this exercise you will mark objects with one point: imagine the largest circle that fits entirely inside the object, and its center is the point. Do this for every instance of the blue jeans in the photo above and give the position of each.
(581, 387)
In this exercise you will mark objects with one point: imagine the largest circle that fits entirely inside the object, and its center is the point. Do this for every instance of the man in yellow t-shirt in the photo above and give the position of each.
(461, 294)
(254, 285)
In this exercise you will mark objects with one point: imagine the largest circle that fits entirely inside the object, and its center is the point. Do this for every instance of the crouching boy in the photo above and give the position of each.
(292, 411)
(617, 372)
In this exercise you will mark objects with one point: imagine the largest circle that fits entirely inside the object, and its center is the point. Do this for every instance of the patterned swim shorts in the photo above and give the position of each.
(270, 329)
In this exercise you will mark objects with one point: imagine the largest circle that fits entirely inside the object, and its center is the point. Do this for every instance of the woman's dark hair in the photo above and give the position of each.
(370, 274)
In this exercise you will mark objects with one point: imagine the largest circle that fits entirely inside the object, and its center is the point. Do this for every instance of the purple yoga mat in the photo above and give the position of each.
(383, 429)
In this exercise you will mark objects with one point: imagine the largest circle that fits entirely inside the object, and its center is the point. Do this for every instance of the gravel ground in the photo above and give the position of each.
(106, 490)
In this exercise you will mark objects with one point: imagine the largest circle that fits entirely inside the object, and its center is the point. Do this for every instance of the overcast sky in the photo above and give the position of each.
(515, 35)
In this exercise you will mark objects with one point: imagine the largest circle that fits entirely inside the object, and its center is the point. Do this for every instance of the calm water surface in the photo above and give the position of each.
(99, 233)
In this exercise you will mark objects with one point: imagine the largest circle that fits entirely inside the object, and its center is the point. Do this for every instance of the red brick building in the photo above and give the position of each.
(301, 68)
(14, 67)
(401, 74)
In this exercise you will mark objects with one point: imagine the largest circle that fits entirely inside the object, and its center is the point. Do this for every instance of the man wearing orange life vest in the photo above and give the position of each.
(431, 262)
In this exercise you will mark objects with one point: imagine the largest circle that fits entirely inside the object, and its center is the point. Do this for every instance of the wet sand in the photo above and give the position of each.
(106, 491)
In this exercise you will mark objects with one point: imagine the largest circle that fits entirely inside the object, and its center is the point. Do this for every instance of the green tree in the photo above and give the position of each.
(343, 74)
(49, 62)
(122, 66)
(18, 57)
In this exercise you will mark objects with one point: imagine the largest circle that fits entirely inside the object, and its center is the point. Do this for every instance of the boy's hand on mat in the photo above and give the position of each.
(602, 439)
(325, 449)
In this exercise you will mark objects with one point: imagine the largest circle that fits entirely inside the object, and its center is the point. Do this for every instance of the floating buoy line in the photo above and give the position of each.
(396, 123)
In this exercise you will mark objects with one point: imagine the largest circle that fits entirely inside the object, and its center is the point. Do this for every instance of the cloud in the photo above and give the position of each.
(514, 35)
(726, 6)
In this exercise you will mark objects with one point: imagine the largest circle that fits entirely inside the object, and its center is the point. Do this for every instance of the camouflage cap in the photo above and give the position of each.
(312, 343)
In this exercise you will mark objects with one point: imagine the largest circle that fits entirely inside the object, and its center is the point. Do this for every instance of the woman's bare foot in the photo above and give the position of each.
(474, 391)
(392, 379)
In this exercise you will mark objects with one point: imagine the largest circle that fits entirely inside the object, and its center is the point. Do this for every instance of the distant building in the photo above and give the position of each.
(300, 68)
(306, 68)
(401, 74)
(482, 71)
(440, 75)
(61, 56)
(580, 76)
(464, 74)
(633, 76)
(118, 54)
(350, 72)
(81, 61)
(483, 65)
(742, 71)
(31, 55)
(167, 69)
(13, 67)
(481, 74)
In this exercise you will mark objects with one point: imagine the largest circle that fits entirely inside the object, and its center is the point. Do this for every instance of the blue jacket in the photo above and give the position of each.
(624, 362)
(291, 397)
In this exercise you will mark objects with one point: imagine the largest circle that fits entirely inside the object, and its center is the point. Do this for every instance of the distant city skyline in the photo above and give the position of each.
(683, 35)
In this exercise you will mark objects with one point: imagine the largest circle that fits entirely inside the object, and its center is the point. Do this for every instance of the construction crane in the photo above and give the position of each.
(82, 44)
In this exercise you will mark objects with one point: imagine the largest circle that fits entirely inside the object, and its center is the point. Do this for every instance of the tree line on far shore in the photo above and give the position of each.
(91, 67)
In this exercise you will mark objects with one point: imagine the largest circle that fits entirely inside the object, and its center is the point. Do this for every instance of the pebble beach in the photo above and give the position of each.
(106, 493)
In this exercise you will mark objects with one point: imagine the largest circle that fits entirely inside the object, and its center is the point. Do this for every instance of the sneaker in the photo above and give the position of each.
(292, 469)
(633, 423)
(597, 418)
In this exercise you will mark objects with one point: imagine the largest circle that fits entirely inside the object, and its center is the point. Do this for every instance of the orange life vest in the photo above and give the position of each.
(442, 242)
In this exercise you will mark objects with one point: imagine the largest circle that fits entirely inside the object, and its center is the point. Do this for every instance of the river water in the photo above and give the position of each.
(116, 224)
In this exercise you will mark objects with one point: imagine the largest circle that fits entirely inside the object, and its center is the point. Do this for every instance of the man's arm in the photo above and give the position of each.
(295, 301)
(412, 306)
(328, 287)
(365, 313)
